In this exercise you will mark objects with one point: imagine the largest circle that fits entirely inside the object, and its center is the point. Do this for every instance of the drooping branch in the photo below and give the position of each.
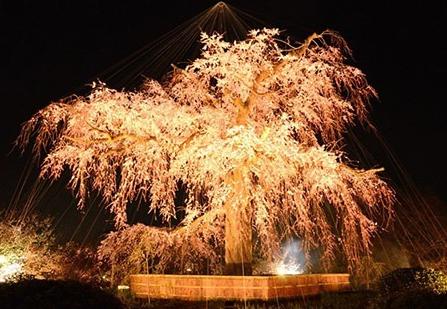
(245, 128)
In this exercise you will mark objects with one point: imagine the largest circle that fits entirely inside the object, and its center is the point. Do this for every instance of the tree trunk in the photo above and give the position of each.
(238, 228)
(238, 242)
(238, 214)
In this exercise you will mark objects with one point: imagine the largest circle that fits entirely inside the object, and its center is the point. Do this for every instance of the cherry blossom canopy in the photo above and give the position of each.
(255, 125)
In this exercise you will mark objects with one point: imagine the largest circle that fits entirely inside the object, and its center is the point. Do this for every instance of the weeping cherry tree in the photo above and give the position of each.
(253, 132)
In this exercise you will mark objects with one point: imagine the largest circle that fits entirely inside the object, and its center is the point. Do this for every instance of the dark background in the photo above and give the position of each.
(53, 48)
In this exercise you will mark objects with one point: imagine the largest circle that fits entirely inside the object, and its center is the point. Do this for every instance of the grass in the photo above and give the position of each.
(357, 299)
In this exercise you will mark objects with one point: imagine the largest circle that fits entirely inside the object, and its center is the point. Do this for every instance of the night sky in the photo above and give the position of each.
(51, 49)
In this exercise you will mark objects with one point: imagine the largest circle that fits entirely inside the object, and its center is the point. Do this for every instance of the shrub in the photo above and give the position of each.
(55, 294)
(28, 246)
(80, 263)
(414, 287)
(28, 249)
(412, 279)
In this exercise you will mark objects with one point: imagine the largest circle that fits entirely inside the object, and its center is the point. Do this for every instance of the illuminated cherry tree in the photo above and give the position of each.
(252, 130)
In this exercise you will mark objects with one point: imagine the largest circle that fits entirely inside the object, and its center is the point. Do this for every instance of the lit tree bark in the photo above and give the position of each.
(238, 227)
(238, 216)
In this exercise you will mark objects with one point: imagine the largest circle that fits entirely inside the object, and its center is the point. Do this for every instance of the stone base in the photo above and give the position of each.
(202, 288)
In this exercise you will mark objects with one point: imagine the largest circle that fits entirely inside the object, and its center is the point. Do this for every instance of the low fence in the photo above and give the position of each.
(201, 288)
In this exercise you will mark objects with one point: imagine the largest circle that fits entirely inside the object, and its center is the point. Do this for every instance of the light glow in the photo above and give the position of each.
(292, 259)
(8, 268)
(288, 269)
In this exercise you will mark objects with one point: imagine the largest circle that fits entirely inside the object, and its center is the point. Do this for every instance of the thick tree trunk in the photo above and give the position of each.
(238, 213)
(238, 228)
(238, 242)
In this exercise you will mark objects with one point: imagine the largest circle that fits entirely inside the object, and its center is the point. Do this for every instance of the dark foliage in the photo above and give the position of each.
(399, 279)
(418, 299)
(80, 263)
(413, 288)
(412, 279)
(50, 294)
